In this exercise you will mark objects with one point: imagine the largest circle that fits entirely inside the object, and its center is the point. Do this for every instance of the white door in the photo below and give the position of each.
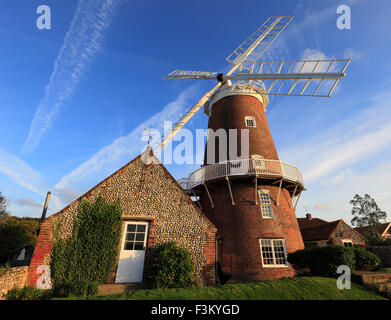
(132, 254)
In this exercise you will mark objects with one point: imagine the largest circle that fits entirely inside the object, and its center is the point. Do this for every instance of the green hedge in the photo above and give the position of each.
(366, 260)
(85, 259)
(170, 266)
(27, 293)
(322, 261)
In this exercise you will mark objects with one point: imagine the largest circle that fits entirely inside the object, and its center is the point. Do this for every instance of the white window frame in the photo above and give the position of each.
(274, 265)
(347, 241)
(265, 204)
(250, 119)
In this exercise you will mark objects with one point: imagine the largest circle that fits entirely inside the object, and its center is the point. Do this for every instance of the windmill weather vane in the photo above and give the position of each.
(318, 77)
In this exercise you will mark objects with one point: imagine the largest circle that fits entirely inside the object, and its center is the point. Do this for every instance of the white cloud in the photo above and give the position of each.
(83, 40)
(353, 54)
(21, 173)
(67, 195)
(361, 136)
(322, 206)
(28, 202)
(339, 177)
(375, 182)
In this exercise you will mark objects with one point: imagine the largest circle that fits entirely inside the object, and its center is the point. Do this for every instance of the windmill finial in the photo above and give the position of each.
(149, 134)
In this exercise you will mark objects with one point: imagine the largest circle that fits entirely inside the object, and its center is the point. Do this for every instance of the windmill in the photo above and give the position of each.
(252, 200)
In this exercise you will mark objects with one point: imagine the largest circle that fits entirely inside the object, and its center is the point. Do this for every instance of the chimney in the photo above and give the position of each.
(308, 216)
(45, 208)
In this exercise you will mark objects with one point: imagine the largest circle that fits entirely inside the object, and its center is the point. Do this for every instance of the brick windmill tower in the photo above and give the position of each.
(243, 187)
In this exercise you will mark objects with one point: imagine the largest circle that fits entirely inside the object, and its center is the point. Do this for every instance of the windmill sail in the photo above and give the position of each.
(188, 74)
(314, 78)
(254, 46)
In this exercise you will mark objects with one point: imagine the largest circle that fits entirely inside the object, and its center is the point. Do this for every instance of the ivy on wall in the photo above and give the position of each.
(89, 254)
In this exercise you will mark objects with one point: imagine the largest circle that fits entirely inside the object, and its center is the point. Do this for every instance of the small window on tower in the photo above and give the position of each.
(250, 122)
(266, 204)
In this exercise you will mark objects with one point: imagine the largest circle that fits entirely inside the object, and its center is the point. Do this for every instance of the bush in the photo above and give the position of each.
(27, 293)
(170, 266)
(80, 290)
(15, 233)
(322, 261)
(381, 242)
(365, 260)
(4, 269)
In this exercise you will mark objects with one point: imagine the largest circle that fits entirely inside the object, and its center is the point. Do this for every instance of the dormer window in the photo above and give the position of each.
(347, 243)
(250, 122)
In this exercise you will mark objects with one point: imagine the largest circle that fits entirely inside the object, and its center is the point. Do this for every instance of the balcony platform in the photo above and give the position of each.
(274, 171)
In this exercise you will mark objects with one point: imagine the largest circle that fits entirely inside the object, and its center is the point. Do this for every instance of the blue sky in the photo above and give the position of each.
(74, 100)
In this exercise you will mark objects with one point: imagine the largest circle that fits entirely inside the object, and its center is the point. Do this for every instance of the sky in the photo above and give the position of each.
(75, 99)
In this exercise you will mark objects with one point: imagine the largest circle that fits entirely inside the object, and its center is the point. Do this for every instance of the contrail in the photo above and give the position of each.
(83, 40)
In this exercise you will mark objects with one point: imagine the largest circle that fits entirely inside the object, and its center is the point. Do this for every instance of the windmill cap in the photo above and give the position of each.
(227, 89)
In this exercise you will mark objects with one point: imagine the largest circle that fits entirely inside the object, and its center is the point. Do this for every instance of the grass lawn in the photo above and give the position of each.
(298, 288)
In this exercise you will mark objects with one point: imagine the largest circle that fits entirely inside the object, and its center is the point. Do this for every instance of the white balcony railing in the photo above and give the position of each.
(243, 167)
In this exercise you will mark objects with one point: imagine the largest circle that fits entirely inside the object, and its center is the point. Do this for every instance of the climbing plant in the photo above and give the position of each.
(87, 257)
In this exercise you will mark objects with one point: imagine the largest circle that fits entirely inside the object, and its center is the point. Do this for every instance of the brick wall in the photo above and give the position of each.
(229, 113)
(241, 226)
(41, 254)
(343, 232)
(15, 278)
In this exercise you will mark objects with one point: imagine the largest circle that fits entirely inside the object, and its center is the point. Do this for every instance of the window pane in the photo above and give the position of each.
(267, 253)
(141, 228)
(131, 228)
(265, 198)
(128, 246)
(139, 246)
(140, 237)
(279, 251)
(130, 236)
(266, 242)
(267, 211)
(250, 121)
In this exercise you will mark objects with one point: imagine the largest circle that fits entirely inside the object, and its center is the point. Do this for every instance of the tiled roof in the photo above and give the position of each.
(320, 230)
(381, 227)
(307, 223)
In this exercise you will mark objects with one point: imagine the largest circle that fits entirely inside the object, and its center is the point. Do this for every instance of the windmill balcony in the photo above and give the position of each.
(264, 168)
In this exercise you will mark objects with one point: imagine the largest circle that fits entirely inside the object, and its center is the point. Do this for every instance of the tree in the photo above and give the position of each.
(16, 232)
(3, 206)
(366, 213)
